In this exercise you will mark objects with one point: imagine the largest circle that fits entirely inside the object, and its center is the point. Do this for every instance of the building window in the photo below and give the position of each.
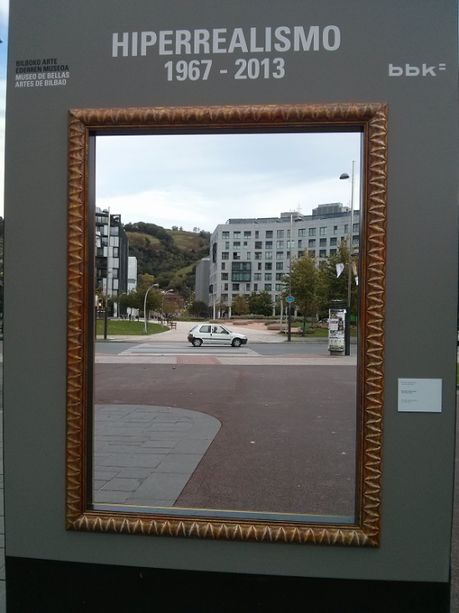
(269, 233)
(280, 234)
(312, 231)
(355, 240)
(323, 230)
(322, 253)
(279, 255)
(302, 232)
(224, 276)
(323, 242)
(257, 276)
(332, 251)
(312, 253)
(258, 255)
(236, 244)
(268, 287)
(280, 244)
(223, 266)
(279, 287)
(257, 233)
(225, 234)
(227, 243)
(268, 255)
(247, 233)
(268, 245)
(291, 244)
(335, 229)
(249, 255)
(268, 266)
(279, 265)
(300, 244)
(247, 287)
(225, 255)
(259, 266)
(279, 276)
(245, 245)
(236, 234)
(225, 287)
(241, 271)
(235, 287)
(346, 227)
(255, 287)
(333, 242)
(236, 255)
(300, 253)
(312, 242)
(258, 244)
(268, 276)
(355, 227)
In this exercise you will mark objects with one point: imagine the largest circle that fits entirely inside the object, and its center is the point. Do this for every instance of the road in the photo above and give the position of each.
(287, 439)
(185, 348)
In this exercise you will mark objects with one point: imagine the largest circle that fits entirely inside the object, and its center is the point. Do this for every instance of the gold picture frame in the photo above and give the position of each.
(371, 119)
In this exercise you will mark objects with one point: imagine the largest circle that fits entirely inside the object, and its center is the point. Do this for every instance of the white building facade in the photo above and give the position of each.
(253, 255)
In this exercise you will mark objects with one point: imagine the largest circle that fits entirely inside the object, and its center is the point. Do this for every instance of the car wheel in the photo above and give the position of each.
(197, 342)
(236, 342)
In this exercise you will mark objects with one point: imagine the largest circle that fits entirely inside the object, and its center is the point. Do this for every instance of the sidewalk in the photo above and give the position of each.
(255, 332)
(145, 455)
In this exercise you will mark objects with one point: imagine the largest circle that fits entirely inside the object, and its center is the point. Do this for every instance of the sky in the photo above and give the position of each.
(200, 181)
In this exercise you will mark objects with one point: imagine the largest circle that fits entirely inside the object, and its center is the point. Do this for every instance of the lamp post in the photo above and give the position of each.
(347, 331)
(289, 332)
(145, 331)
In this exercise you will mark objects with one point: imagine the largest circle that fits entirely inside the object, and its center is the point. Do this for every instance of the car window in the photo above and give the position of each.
(223, 330)
(204, 329)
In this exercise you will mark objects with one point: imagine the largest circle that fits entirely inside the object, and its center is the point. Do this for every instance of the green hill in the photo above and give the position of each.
(170, 255)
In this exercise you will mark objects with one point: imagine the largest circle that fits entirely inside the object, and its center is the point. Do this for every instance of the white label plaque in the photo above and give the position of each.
(419, 395)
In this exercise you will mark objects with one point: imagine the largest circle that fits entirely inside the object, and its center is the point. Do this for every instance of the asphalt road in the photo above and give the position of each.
(287, 441)
(286, 348)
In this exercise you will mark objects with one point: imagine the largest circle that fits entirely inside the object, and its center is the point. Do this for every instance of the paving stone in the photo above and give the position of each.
(165, 486)
(179, 464)
(123, 460)
(122, 485)
(135, 473)
(109, 496)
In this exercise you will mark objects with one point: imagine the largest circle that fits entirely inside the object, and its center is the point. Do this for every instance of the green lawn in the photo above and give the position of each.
(126, 327)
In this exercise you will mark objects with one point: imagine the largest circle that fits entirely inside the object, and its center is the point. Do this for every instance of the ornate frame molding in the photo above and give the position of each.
(371, 119)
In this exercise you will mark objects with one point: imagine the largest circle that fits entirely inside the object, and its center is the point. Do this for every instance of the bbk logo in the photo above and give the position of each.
(414, 71)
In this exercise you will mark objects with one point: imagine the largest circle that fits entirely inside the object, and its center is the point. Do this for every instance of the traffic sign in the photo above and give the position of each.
(290, 299)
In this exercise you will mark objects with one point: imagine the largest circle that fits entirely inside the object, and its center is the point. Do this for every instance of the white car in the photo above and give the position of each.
(213, 334)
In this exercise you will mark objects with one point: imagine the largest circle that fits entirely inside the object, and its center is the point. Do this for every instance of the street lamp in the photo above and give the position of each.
(145, 331)
(289, 335)
(347, 330)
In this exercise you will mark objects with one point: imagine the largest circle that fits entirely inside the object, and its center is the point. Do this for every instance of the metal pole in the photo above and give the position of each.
(347, 339)
(145, 329)
(289, 338)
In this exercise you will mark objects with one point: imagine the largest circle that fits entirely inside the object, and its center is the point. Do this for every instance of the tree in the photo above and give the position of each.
(261, 303)
(198, 308)
(154, 298)
(330, 286)
(240, 305)
(304, 275)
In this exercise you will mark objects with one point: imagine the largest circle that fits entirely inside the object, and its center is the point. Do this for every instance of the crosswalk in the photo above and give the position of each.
(162, 349)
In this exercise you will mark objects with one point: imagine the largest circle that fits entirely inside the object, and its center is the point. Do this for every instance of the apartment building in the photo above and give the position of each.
(253, 255)
(112, 251)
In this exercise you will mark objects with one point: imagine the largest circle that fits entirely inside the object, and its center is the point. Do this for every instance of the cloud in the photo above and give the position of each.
(203, 180)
